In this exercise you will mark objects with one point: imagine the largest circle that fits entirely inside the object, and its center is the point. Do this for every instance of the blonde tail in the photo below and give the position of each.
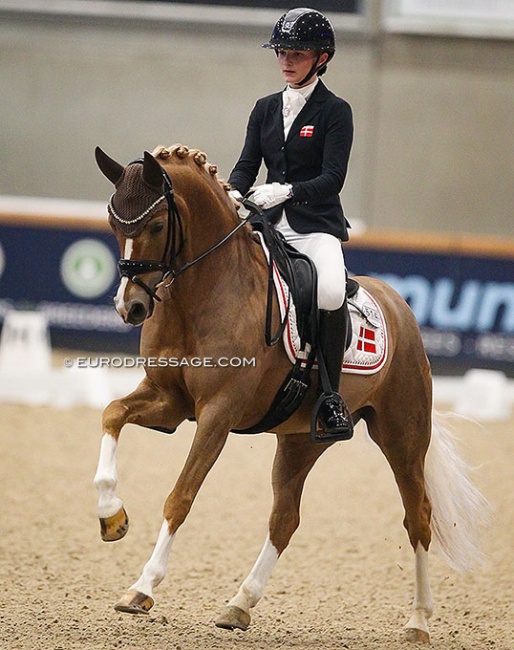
(459, 510)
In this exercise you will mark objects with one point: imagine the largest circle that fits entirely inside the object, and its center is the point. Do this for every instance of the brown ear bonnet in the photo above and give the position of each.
(139, 191)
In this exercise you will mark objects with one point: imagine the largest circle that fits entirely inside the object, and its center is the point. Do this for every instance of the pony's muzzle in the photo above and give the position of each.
(133, 310)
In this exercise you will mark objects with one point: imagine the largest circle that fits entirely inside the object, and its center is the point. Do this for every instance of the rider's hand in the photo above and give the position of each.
(272, 194)
(236, 195)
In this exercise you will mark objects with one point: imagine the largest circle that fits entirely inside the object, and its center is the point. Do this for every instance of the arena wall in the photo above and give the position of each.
(434, 114)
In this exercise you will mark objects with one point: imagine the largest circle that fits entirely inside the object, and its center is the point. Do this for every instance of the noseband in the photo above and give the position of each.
(131, 269)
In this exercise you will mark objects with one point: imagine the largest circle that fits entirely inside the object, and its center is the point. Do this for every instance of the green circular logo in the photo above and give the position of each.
(88, 268)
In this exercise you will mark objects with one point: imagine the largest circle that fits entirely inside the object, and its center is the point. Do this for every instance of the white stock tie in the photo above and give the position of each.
(293, 101)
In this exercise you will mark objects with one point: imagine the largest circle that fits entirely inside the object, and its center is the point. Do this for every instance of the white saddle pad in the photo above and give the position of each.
(367, 353)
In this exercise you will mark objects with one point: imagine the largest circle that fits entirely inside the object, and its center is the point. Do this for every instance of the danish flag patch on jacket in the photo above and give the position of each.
(306, 131)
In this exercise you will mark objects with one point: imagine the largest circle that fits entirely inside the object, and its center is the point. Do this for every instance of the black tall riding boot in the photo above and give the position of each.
(334, 415)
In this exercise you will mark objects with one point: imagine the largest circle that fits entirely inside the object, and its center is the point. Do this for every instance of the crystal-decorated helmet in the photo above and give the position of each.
(303, 29)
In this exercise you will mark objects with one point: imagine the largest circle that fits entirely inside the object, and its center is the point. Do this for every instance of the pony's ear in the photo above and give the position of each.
(152, 171)
(109, 167)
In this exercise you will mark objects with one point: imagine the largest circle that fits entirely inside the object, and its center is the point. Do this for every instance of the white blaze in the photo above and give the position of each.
(119, 299)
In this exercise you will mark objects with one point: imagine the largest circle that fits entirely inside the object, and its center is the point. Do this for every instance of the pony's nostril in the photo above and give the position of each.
(137, 313)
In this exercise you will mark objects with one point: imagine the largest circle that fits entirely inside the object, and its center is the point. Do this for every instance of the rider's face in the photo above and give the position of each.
(296, 64)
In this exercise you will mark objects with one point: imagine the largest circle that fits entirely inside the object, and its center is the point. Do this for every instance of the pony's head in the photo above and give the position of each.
(143, 216)
(150, 229)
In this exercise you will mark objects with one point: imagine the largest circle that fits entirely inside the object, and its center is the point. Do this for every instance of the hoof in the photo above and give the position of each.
(115, 527)
(413, 635)
(135, 602)
(233, 618)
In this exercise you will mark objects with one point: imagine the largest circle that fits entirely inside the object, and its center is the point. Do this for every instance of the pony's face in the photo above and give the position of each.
(144, 215)
(139, 217)
(132, 301)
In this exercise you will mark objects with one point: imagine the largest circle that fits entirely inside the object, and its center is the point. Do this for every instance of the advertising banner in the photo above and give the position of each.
(463, 302)
(462, 298)
(344, 6)
(69, 273)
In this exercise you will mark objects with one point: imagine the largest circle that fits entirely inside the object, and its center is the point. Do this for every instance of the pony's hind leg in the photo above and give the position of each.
(145, 406)
(294, 458)
(404, 440)
(416, 629)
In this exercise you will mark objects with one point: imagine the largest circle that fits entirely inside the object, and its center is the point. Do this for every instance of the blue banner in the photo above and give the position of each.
(464, 303)
(70, 274)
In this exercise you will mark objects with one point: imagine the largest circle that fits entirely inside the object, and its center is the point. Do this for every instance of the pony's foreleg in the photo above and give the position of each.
(112, 515)
(208, 442)
(147, 406)
(139, 597)
(295, 457)
(417, 627)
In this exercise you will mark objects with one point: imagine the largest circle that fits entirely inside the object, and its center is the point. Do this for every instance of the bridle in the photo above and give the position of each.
(132, 269)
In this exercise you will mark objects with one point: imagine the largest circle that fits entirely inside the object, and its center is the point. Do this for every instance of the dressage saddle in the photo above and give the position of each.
(299, 273)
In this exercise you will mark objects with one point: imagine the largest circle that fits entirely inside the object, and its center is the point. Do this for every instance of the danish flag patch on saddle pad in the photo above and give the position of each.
(367, 353)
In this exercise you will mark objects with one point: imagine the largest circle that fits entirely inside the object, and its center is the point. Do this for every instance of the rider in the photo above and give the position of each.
(304, 135)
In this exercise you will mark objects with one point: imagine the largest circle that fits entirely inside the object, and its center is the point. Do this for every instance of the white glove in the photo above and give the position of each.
(235, 195)
(272, 194)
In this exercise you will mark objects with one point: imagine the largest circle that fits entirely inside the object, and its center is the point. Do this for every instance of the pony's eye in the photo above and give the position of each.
(156, 227)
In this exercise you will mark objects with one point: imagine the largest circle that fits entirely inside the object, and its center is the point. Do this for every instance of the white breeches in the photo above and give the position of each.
(327, 254)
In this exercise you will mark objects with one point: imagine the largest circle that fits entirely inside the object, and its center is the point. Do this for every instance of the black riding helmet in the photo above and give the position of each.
(304, 29)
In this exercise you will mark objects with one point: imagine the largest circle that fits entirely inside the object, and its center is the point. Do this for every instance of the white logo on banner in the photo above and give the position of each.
(88, 268)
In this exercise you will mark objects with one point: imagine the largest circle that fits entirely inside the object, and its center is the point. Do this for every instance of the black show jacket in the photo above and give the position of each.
(313, 158)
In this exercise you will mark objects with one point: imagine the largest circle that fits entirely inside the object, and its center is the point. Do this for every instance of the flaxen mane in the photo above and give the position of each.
(195, 155)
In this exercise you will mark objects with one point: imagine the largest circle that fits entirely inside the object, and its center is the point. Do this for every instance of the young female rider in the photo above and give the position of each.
(304, 135)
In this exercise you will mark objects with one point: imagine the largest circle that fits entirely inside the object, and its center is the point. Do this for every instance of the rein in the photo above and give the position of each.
(175, 273)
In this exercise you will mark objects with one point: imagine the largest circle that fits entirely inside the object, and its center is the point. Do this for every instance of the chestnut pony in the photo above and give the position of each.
(195, 278)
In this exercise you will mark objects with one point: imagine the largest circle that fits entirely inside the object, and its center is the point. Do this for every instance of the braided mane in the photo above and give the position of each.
(196, 156)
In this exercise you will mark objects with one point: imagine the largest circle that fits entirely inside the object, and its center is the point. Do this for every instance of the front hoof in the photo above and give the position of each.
(233, 618)
(413, 635)
(115, 527)
(135, 602)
